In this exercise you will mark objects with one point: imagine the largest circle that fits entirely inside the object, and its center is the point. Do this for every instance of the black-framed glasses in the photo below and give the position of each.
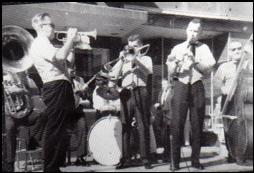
(237, 48)
(50, 24)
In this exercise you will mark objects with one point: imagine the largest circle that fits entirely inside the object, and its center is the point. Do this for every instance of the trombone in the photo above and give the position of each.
(147, 46)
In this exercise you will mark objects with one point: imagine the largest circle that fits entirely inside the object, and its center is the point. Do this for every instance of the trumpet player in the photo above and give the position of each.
(57, 88)
(187, 63)
(135, 70)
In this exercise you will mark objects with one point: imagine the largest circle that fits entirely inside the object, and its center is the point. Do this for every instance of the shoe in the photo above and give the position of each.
(147, 164)
(123, 164)
(166, 160)
(175, 167)
(197, 165)
(231, 159)
(81, 162)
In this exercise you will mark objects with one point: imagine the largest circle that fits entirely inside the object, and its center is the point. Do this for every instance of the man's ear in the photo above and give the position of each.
(200, 32)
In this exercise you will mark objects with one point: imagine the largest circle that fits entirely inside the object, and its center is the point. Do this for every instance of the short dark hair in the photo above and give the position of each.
(196, 21)
(38, 18)
(135, 37)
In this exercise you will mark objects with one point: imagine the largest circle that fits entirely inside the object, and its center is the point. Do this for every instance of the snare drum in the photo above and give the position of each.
(105, 140)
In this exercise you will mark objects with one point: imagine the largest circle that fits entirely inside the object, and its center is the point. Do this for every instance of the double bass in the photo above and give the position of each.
(240, 128)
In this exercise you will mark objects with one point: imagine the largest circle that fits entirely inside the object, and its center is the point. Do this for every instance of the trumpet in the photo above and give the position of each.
(82, 39)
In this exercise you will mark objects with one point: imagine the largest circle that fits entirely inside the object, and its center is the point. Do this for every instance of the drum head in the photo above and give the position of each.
(105, 141)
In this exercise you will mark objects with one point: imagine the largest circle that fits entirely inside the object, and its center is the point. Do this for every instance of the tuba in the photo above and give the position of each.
(16, 60)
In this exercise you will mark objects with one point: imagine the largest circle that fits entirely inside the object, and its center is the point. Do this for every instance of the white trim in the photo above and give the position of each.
(208, 16)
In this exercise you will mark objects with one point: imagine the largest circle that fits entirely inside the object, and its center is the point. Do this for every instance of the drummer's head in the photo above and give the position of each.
(102, 78)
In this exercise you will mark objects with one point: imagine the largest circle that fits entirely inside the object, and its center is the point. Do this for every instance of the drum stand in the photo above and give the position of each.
(171, 165)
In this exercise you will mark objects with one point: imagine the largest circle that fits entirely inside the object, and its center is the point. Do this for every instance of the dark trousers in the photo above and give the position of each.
(193, 97)
(136, 103)
(78, 124)
(59, 99)
(166, 138)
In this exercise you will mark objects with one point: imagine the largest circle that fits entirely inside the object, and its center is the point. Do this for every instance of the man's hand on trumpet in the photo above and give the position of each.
(71, 34)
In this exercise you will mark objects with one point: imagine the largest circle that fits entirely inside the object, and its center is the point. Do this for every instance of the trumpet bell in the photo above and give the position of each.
(16, 43)
(90, 33)
(83, 46)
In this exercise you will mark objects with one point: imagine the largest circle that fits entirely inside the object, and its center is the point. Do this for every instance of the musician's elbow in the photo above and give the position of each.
(60, 56)
(149, 71)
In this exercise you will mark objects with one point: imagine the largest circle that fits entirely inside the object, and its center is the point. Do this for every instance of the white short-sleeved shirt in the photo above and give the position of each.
(203, 56)
(50, 69)
(134, 76)
(224, 77)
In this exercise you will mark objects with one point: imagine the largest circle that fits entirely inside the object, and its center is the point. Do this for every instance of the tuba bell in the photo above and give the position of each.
(16, 60)
(16, 43)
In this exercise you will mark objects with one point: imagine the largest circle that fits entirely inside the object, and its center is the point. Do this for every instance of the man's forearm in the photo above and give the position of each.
(63, 52)
(203, 69)
(171, 67)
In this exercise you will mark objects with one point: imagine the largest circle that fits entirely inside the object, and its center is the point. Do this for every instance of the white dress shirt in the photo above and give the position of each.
(134, 76)
(203, 56)
(224, 77)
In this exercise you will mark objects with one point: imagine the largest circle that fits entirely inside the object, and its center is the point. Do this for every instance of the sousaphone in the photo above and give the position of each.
(16, 43)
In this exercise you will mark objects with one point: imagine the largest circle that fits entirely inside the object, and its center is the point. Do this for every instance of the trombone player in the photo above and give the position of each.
(57, 88)
(135, 70)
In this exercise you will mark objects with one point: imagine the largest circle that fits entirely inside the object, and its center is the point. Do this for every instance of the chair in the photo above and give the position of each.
(22, 148)
(70, 147)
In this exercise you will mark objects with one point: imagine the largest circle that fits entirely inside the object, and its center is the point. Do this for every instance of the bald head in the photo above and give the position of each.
(235, 50)
(194, 30)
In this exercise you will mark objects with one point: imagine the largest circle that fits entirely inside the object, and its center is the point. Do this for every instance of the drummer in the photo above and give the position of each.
(106, 98)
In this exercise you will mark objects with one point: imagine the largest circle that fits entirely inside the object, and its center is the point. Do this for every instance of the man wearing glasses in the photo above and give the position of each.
(57, 88)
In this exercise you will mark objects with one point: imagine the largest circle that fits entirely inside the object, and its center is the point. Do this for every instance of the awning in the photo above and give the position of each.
(108, 21)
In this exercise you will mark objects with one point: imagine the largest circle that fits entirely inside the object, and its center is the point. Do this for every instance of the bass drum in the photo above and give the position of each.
(105, 140)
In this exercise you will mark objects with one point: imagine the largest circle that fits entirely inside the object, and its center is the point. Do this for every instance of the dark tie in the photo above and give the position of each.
(193, 48)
